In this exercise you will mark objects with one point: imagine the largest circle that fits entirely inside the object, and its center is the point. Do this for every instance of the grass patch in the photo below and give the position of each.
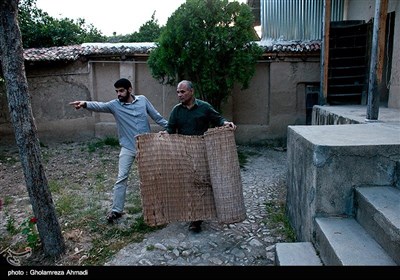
(135, 203)
(9, 159)
(243, 157)
(93, 146)
(69, 204)
(82, 202)
(111, 239)
(55, 186)
(11, 228)
(87, 213)
(46, 156)
(108, 141)
(100, 177)
(111, 141)
(140, 226)
(7, 200)
(150, 247)
(277, 216)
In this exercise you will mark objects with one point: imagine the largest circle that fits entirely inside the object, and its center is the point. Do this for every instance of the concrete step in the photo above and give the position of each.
(378, 211)
(297, 253)
(343, 241)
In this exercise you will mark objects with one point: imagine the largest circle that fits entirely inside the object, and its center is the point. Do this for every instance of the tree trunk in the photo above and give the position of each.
(12, 62)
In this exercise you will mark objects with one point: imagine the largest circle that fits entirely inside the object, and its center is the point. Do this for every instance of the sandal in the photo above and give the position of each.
(113, 216)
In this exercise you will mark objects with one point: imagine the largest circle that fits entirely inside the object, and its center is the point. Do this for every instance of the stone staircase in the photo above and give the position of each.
(371, 237)
(343, 198)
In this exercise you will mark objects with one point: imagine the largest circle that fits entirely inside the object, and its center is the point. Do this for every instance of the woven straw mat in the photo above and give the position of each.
(188, 178)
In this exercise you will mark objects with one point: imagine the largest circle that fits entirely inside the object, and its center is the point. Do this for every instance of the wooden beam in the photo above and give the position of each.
(323, 94)
(377, 59)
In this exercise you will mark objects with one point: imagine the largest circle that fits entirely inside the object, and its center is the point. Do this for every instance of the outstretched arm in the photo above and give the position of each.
(78, 104)
(155, 115)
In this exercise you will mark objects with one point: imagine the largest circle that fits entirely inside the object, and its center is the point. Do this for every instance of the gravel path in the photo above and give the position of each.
(248, 243)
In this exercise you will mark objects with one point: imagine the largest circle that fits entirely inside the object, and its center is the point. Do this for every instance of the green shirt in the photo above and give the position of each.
(193, 121)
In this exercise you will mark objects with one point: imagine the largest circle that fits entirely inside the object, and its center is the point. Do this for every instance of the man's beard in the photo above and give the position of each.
(124, 98)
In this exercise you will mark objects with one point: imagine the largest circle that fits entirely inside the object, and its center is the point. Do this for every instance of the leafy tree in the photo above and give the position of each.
(149, 32)
(12, 65)
(38, 29)
(211, 43)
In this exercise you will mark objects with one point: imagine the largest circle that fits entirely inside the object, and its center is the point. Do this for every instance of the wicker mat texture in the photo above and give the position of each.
(188, 178)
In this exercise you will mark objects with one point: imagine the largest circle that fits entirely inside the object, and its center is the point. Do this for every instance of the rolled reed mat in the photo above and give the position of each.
(223, 163)
(188, 178)
(174, 178)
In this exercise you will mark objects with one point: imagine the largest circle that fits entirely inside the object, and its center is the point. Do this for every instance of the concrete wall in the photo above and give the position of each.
(274, 100)
(365, 10)
(288, 97)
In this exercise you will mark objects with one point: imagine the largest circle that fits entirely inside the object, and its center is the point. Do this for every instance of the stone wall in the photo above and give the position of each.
(274, 100)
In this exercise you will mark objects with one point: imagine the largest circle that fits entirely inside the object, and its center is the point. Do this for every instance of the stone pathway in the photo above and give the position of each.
(248, 243)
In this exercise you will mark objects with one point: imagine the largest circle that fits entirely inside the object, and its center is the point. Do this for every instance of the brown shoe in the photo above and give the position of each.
(113, 216)
(195, 226)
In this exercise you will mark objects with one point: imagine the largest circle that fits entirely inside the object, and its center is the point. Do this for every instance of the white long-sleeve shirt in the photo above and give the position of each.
(131, 118)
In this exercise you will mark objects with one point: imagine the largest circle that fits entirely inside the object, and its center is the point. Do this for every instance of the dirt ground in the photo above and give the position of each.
(81, 178)
(67, 166)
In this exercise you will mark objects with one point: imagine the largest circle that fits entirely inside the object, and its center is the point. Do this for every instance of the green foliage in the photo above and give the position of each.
(7, 200)
(140, 226)
(80, 207)
(242, 159)
(67, 203)
(136, 206)
(11, 225)
(148, 32)
(277, 215)
(38, 29)
(8, 160)
(111, 239)
(150, 247)
(28, 228)
(55, 186)
(211, 43)
(109, 141)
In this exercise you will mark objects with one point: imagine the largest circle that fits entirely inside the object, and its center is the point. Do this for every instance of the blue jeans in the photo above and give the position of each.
(126, 158)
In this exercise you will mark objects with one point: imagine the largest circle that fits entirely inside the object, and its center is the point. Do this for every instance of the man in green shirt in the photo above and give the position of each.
(193, 117)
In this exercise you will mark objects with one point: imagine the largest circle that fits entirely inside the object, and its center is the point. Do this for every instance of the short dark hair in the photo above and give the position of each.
(125, 83)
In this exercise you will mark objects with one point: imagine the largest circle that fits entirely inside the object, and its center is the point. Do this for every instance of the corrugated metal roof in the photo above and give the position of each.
(296, 19)
(74, 52)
